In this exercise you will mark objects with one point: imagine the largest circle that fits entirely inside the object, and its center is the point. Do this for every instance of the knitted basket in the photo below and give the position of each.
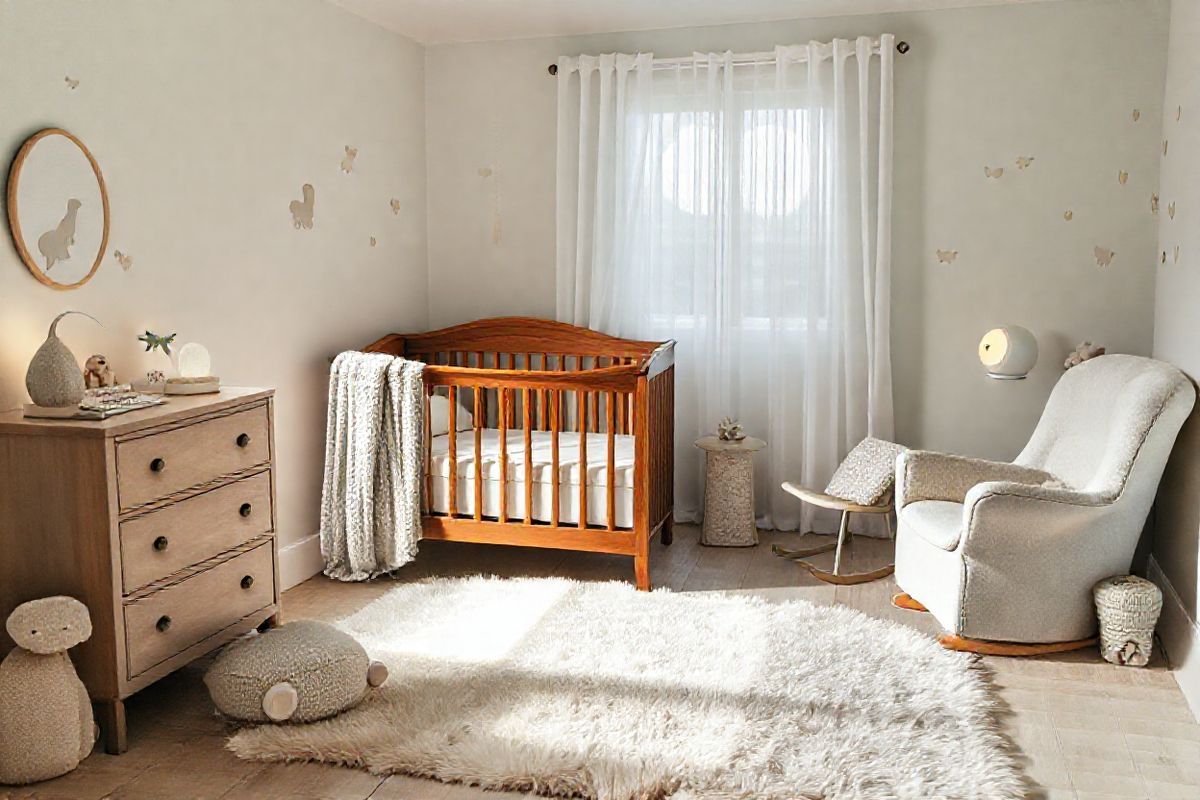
(1128, 608)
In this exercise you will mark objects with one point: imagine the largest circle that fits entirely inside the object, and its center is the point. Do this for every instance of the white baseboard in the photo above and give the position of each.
(1180, 635)
(299, 561)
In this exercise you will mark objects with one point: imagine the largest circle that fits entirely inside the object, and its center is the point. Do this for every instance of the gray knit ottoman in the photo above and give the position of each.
(299, 672)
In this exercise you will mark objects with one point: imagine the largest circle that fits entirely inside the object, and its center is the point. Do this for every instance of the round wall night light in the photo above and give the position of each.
(1008, 353)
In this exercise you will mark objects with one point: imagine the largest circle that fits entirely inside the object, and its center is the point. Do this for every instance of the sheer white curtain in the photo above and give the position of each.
(740, 205)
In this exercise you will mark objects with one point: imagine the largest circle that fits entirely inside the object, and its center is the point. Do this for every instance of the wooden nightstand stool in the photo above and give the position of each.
(729, 492)
(160, 521)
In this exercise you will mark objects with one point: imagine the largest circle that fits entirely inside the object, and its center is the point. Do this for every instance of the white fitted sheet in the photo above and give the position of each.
(569, 471)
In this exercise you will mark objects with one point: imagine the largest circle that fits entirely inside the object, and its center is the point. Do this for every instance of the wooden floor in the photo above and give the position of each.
(1083, 728)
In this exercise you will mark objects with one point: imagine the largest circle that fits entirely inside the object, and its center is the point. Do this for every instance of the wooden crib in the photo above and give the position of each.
(553, 407)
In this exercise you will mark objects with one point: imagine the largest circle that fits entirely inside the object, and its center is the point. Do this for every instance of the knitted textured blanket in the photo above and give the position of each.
(371, 499)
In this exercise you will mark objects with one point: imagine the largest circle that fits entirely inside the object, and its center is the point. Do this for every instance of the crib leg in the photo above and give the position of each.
(641, 562)
(667, 534)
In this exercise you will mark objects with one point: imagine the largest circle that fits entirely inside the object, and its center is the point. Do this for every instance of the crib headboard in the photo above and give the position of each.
(513, 336)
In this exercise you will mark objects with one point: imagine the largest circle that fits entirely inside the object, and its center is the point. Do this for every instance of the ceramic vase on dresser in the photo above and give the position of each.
(161, 521)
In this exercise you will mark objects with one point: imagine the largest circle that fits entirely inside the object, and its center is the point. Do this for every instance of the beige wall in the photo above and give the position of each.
(1177, 339)
(982, 86)
(206, 118)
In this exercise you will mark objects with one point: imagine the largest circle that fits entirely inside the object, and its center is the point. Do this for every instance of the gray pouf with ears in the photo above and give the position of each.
(300, 672)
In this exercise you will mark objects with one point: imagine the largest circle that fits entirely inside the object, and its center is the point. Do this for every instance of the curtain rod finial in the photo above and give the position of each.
(552, 69)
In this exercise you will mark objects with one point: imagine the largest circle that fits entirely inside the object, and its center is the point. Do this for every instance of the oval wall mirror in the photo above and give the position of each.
(58, 209)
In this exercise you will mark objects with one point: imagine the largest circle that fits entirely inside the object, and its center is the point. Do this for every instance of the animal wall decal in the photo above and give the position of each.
(302, 210)
(72, 83)
(488, 173)
(1165, 143)
(946, 256)
(373, 241)
(55, 244)
(1171, 209)
(1104, 256)
(1122, 177)
(1154, 203)
(1023, 162)
(993, 172)
(395, 204)
(348, 160)
(1178, 113)
(1137, 114)
(124, 259)
(1176, 254)
(1068, 215)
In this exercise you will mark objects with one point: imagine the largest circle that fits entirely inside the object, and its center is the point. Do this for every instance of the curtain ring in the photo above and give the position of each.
(902, 47)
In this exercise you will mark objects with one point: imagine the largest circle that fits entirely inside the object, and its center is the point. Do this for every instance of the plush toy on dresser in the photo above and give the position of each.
(46, 725)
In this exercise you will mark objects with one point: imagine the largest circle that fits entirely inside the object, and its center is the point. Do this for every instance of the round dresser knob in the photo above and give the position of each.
(158, 465)
(243, 439)
(245, 509)
(247, 581)
(164, 622)
(161, 543)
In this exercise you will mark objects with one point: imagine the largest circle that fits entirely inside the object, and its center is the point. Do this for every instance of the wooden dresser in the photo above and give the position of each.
(161, 521)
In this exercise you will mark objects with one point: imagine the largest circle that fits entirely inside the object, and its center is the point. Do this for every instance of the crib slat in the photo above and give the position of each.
(564, 409)
(612, 463)
(595, 399)
(527, 395)
(453, 452)
(544, 399)
(619, 397)
(555, 412)
(502, 410)
(583, 462)
(428, 454)
(478, 425)
(511, 407)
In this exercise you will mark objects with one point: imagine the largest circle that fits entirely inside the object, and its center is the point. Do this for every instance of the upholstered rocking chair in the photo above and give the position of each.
(1005, 555)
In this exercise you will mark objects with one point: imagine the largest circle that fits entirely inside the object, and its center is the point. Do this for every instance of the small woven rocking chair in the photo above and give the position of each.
(862, 484)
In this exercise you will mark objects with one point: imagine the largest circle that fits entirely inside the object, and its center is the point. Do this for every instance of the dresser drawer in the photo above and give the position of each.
(167, 540)
(170, 621)
(158, 465)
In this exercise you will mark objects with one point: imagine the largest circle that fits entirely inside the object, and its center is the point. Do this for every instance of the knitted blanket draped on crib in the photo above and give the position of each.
(371, 499)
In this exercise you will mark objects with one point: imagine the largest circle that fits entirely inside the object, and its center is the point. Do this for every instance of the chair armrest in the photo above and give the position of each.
(1010, 516)
(1031, 554)
(926, 475)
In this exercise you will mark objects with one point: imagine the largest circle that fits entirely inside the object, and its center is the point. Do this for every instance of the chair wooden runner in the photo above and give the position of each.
(846, 508)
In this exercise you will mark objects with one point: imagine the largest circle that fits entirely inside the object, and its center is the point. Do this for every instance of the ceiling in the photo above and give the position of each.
(444, 21)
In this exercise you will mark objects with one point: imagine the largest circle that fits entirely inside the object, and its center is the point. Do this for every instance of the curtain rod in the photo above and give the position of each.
(902, 47)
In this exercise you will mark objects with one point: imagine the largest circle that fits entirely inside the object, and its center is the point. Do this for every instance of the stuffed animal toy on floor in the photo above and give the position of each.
(46, 725)
(300, 672)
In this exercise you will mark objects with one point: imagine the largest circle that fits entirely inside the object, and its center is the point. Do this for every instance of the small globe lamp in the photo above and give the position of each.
(1008, 353)
(195, 372)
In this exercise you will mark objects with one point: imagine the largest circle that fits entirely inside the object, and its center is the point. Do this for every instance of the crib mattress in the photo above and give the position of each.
(569, 476)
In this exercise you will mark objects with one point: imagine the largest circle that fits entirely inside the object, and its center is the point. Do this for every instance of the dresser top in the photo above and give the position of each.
(177, 407)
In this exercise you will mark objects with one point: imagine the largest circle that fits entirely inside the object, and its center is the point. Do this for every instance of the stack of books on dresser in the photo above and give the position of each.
(98, 404)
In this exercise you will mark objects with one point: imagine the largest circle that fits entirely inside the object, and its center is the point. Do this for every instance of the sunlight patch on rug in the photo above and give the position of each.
(595, 690)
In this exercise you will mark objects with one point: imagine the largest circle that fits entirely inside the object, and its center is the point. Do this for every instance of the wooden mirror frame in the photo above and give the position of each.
(14, 221)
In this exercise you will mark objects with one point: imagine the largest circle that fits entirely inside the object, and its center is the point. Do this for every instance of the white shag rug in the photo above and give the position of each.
(598, 691)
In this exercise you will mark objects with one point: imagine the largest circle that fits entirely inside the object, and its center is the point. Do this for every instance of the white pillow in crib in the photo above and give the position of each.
(439, 416)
